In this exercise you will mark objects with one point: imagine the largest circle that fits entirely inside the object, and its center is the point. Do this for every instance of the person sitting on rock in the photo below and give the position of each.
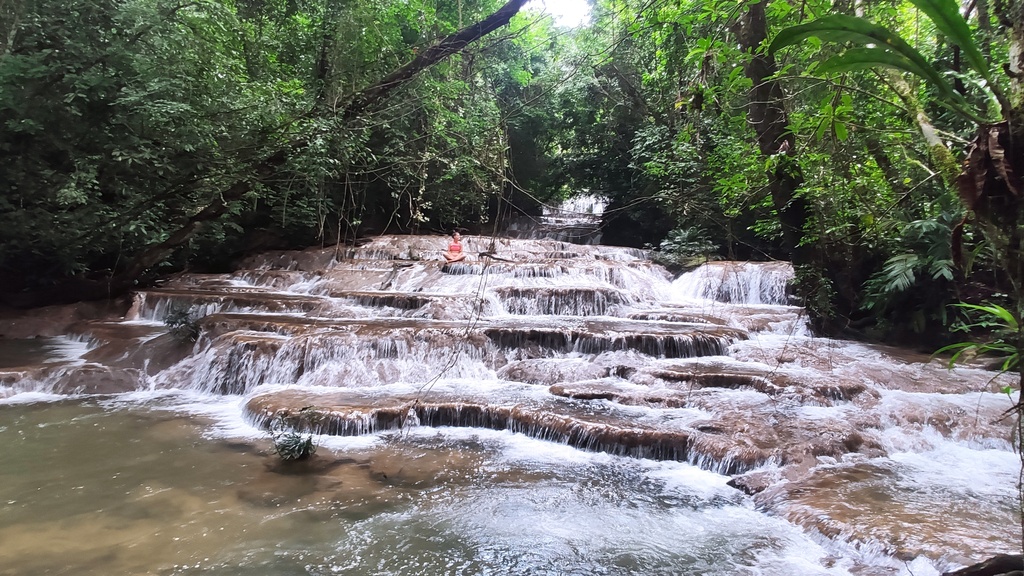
(454, 252)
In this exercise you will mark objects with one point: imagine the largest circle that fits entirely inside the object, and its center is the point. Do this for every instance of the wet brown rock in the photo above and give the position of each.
(797, 420)
(97, 379)
(9, 377)
(719, 380)
(712, 373)
(305, 260)
(678, 316)
(57, 320)
(551, 371)
(61, 378)
(753, 483)
(602, 390)
(872, 366)
(599, 337)
(197, 281)
(1002, 565)
(747, 435)
(233, 298)
(953, 416)
(398, 300)
(862, 502)
(348, 413)
(586, 392)
(588, 301)
(141, 347)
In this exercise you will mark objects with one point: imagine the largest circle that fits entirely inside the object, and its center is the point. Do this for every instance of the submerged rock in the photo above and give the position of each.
(1002, 565)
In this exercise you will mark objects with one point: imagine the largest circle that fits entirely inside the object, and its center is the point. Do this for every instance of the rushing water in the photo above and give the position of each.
(559, 409)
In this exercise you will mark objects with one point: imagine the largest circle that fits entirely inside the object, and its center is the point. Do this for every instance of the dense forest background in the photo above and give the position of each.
(143, 137)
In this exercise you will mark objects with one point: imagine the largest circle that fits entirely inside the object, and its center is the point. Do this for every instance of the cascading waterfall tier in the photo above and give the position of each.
(737, 283)
(577, 220)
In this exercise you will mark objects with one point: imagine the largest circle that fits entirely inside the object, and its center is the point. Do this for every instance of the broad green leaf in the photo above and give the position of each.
(820, 132)
(841, 28)
(871, 58)
(995, 310)
(945, 14)
(841, 133)
(959, 347)
(899, 271)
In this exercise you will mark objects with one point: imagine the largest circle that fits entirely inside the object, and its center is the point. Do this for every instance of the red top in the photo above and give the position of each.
(455, 247)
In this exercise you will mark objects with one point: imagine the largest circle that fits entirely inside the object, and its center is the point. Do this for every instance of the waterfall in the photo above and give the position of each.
(736, 283)
(576, 220)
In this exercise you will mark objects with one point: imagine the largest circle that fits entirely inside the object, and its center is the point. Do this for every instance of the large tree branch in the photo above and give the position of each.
(439, 51)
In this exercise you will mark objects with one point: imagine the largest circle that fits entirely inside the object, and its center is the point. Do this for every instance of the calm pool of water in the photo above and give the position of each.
(115, 487)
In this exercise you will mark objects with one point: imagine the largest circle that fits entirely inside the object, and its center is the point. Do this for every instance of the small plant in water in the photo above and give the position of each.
(183, 324)
(291, 445)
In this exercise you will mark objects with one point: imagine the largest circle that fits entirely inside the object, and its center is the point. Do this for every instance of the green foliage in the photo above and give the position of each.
(124, 120)
(897, 275)
(819, 291)
(912, 290)
(1004, 333)
(289, 444)
(684, 247)
(881, 47)
(933, 261)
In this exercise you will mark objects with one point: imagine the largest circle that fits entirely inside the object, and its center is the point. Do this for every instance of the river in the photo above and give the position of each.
(542, 408)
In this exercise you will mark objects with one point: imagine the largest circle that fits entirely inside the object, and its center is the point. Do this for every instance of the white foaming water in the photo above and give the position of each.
(325, 360)
(30, 397)
(576, 220)
(955, 468)
(587, 204)
(736, 283)
(68, 348)
(575, 508)
(577, 210)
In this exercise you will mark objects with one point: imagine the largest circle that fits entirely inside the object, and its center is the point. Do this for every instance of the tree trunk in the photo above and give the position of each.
(767, 115)
(892, 175)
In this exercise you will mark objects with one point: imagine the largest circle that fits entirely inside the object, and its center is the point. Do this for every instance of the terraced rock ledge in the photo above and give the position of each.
(351, 414)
